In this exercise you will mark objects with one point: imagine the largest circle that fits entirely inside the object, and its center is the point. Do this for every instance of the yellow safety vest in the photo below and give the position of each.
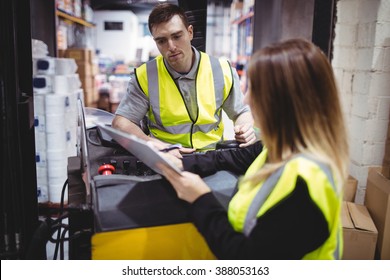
(251, 202)
(168, 117)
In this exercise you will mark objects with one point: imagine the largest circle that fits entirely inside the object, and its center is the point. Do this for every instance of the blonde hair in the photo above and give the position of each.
(294, 100)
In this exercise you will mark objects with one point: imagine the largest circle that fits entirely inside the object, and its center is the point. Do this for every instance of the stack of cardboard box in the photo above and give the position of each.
(350, 189)
(361, 239)
(359, 231)
(377, 200)
(87, 69)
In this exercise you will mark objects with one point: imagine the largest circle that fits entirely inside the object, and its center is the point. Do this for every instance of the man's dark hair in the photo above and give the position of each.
(164, 12)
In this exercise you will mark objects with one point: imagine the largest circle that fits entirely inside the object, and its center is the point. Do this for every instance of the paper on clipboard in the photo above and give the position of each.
(139, 148)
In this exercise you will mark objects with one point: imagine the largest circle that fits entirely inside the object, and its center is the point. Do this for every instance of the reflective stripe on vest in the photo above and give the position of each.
(169, 119)
(253, 202)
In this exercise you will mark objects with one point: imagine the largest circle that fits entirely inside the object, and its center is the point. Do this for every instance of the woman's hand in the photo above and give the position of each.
(188, 186)
(173, 159)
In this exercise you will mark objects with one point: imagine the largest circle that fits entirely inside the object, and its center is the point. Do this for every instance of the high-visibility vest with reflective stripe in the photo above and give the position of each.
(169, 119)
(251, 202)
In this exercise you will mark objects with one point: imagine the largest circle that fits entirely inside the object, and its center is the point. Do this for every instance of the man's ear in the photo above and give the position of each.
(190, 30)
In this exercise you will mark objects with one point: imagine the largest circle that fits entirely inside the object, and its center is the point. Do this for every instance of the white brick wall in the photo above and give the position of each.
(362, 67)
(384, 11)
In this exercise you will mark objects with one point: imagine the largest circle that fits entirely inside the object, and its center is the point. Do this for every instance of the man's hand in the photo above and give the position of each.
(164, 147)
(243, 129)
(245, 134)
(187, 150)
(178, 152)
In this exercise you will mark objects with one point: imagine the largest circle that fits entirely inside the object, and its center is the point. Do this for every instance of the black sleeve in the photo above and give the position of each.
(234, 160)
(291, 229)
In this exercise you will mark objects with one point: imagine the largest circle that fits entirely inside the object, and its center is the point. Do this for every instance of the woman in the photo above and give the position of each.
(288, 203)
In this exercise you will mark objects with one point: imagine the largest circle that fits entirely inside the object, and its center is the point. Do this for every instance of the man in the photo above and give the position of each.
(183, 91)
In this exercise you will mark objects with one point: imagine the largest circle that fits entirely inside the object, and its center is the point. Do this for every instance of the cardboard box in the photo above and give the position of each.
(386, 160)
(61, 53)
(84, 55)
(359, 232)
(350, 189)
(87, 82)
(90, 97)
(84, 68)
(235, 10)
(377, 201)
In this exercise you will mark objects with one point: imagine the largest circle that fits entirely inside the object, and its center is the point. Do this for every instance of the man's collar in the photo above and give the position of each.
(193, 70)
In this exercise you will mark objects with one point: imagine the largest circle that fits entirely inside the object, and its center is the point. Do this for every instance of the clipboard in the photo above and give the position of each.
(141, 149)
